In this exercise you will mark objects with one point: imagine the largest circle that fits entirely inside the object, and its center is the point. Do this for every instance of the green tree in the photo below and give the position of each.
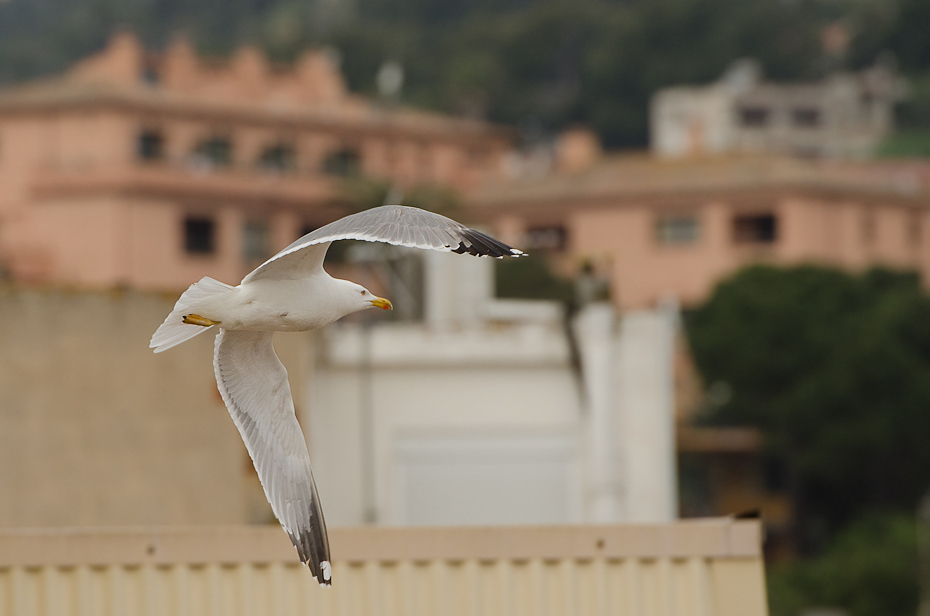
(834, 368)
(869, 569)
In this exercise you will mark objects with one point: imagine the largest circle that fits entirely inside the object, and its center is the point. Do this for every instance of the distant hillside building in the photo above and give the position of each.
(151, 170)
(844, 116)
(659, 229)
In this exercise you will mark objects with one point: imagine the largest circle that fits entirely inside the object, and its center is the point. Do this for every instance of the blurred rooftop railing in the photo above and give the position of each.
(700, 568)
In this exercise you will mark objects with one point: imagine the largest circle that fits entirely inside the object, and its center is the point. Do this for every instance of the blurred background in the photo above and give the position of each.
(724, 310)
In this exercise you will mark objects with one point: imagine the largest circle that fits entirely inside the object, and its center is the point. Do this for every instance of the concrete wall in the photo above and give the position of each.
(97, 430)
(472, 390)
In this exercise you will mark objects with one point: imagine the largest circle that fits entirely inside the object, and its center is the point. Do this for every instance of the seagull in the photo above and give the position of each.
(291, 292)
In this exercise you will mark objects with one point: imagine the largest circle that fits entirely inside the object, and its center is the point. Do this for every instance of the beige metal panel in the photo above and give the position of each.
(579, 571)
(720, 538)
(738, 584)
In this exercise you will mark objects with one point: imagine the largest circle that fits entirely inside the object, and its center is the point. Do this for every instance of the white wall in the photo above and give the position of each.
(476, 417)
(645, 406)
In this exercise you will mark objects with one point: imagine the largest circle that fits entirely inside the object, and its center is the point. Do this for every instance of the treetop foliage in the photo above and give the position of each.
(870, 569)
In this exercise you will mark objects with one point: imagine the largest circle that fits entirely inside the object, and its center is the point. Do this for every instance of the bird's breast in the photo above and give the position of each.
(284, 306)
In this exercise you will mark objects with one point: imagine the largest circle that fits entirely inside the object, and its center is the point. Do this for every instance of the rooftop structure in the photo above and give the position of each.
(153, 169)
(844, 116)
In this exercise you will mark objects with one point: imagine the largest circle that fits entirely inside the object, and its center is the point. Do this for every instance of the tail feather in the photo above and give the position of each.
(174, 331)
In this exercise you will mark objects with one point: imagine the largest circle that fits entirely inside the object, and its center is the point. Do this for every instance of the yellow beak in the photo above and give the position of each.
(380, 302)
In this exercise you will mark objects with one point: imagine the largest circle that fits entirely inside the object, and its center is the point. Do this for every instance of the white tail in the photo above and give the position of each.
(174, 331)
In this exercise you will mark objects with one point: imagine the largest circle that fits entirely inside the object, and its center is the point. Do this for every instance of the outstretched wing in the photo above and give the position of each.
(393, 224)
(254, 387)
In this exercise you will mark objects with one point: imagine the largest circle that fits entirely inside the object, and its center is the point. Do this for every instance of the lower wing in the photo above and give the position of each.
(254, 387)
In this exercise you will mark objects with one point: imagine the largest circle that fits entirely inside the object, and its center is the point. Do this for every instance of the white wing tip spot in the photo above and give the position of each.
(327, 570)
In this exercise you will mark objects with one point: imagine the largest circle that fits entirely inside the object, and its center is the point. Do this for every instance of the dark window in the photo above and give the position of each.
(151, 145)
(678, 229)
(150, 75)
(199, 235)
(755, 229)
(754, 116)
(344, 163)
(280, 157)
(216, 151)
(806, 117)
(256, 241)
(545, 238)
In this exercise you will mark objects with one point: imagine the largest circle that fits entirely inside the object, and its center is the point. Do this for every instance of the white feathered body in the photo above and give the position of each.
(278, 305)
(264, 305)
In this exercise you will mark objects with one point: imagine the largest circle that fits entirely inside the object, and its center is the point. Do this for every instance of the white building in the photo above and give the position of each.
(844, 116)
(476, 416)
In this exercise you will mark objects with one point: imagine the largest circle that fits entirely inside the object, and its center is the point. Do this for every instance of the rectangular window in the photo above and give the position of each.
(678, 229)
(754, 116)
(345, 163)
(215, 151)
(755, 228)
(256, 241)
(806, 117)
(545, 238)
(199, 235)
(151, 145)
(280, 158)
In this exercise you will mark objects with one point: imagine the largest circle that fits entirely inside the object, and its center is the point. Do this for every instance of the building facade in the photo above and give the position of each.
(672, 229)
(844, 116)
(478, 414)
(151, 170)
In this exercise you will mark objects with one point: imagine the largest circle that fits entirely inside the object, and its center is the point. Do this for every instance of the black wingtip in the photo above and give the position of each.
(314, 552)
(480, 245)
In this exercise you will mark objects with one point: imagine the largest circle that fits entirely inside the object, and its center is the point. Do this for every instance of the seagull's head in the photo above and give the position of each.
(359, 298)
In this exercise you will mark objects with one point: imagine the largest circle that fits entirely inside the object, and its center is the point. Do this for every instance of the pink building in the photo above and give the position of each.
(672, 229)
(151, 170)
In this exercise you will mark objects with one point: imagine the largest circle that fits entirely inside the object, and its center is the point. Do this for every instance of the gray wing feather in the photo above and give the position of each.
(393, 224)
(254, 386)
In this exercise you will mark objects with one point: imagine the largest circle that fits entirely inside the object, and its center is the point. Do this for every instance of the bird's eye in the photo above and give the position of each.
(364, 292)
